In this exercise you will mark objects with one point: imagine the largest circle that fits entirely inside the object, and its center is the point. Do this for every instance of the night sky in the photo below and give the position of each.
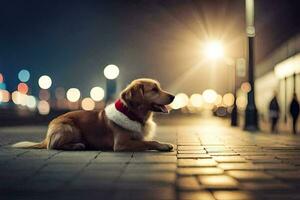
(72, 41)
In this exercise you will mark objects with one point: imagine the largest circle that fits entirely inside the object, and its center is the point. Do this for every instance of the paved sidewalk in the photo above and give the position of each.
(211, 161)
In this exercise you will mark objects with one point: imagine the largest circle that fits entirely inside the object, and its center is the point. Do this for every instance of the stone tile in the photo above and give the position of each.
(159, 177)
(183, 148)
(161, 193)
(232, 195)
(262, 186)
(154, 159)
(250, 175)
(199, 171)
(192, 152)
(224, 154)
(239, 166)
(133, 167)
(286, 175)
(196, 163)
(199, 156)
(199, 195)
(218, 182)
(229, 159)
(187, 183)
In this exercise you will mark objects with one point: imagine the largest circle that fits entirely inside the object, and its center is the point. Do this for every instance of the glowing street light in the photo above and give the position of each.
(45, 82)
(97, 93)
(111, 72)
(214, 50)
(73, 94)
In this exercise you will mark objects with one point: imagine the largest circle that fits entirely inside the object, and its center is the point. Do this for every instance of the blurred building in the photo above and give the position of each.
(275, 73)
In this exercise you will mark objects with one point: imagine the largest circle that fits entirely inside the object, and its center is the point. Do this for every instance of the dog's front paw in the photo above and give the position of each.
(165, 147)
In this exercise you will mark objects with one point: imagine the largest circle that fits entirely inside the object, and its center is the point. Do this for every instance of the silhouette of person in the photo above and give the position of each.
(274, 112)
(294, 110)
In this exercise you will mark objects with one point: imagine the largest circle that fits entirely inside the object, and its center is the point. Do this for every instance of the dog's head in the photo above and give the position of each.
(148, 94)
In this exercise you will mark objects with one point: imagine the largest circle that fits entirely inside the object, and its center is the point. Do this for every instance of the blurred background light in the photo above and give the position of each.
(246, 87)
(73, 94)
(1, 78)
(60, 93)
(4, 96)
(31, 102)
(196, 100)
(87, 104)
(218, 101)
(43, 107)
(111, 71)
(209, 96)
(44, 95)
(214, 50)
(181, 100)
(97, 93)
(15, 97)
(45, 82)
(228, 99)
(24, 75)
(23, 88)
(2, 86)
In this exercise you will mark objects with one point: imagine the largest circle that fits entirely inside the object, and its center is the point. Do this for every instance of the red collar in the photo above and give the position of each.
(121, 107)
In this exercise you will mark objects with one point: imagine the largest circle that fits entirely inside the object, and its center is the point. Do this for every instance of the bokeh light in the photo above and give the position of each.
(196, 100)
(31, 102)
(209, 96)
(24, 75)
(45, 82)
(87, 104)
(111, 71)
(246, 87)
(4, 96)
(214, 50)
(44, 95)
(23, 88)
(1, 78)
(60, 93)
(43, 107)
(218, 101)
(97, 93)
(73, 94)
(228, 99)
(181, 100)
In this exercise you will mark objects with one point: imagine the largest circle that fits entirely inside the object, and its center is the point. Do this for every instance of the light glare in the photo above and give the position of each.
(111, 71)
(45, 82)
(73, 94)
(97, 93)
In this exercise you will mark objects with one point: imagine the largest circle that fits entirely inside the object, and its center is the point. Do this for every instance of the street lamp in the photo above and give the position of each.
(251, 118)
(214, 50)
(111, 73)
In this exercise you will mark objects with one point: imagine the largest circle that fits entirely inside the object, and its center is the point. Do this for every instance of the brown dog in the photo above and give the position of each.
(125, 125)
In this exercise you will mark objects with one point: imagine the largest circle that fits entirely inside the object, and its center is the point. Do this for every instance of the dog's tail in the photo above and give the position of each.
(31, 145)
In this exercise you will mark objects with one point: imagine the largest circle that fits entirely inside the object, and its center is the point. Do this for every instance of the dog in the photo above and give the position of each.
(125, 125)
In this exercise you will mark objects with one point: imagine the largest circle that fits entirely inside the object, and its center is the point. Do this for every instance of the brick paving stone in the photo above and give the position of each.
(232, 195)
(250, 175)
(229, 159)
(218, 182)
(188, 183)
(154, 159)
(199, 171)
(182, 148)
(286, 175)
(262, 186)
(239, 166)
(192, 152)
(196, 163)
(224, 154)
(193, 156)
(133, 167)
(199, 195)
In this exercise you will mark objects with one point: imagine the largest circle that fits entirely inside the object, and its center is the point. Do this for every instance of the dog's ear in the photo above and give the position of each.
(133, 93)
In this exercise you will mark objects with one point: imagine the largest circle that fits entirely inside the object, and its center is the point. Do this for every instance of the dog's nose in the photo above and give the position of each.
(172, 97)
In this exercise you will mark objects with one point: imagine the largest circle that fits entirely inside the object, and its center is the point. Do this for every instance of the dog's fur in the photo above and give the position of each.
(79, 130)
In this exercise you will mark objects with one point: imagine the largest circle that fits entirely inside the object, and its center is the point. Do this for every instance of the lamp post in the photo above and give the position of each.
(111, 72)
(251, 118)
(234, 114)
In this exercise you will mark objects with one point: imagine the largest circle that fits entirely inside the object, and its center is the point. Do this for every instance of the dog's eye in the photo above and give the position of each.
(155, 89)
